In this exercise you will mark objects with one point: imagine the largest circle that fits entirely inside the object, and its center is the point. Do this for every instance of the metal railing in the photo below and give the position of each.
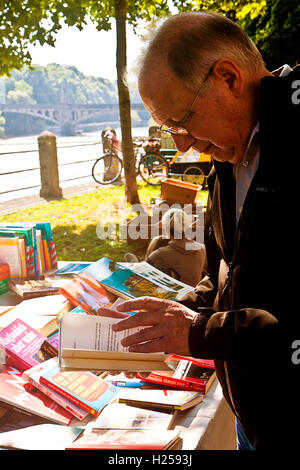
(33, 168)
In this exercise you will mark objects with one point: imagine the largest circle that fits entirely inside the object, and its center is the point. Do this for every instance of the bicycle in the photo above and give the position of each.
(108, 168)
(151, 166)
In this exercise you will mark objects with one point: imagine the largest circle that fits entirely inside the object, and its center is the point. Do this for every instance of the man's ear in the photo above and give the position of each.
(231, 75)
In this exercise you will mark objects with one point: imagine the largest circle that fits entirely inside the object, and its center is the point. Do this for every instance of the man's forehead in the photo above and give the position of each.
(162, 93)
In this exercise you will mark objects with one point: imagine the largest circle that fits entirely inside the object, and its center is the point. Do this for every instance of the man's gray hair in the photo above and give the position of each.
(192, 42)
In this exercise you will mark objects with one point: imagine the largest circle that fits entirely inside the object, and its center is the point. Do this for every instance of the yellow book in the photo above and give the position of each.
(22, 251)
(40, 251)
(46, 255)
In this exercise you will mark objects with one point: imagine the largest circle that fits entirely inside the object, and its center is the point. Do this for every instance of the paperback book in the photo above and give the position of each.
(87, 342)
(85, 292)
(93, 287)
(85, 389)
(17, 392)
(160, 400)
(71, 269)
(122, 416)
(24, 346)
(41, 313)
(185, 373)
(33, 376)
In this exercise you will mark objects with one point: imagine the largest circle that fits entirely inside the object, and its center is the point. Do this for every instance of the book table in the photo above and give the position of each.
(210, 425)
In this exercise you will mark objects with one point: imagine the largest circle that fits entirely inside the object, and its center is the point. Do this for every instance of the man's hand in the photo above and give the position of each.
(167, 325)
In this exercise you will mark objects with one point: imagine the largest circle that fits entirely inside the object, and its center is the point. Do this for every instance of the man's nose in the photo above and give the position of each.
(183, 142)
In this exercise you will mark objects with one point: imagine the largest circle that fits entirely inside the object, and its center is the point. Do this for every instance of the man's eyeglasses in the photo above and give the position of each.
(180, 130)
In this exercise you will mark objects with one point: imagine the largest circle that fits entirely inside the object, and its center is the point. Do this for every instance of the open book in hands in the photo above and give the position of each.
(87, 342)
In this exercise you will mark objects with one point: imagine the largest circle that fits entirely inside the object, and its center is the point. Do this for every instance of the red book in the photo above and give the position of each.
(83, 388)
(17, 392)
(24, 345)
(86, 292)
(186, 373)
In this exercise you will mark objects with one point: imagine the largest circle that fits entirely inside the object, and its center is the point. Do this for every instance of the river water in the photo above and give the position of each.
(21, 153)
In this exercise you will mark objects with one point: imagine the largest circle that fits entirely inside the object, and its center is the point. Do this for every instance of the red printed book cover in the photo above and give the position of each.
(17, 392)
(186, 373)
(86, 292)
(24, 345)
(83, 388)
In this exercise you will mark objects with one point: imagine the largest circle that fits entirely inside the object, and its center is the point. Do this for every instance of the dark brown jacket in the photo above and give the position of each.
(248, 305)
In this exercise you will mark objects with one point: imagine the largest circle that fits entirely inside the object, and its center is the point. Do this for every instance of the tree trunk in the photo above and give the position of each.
(131, 191)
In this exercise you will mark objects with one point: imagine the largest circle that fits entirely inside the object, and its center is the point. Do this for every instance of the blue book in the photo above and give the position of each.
(72, 269)
(83, 388)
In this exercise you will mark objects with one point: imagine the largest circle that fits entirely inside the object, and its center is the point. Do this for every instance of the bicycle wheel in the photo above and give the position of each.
(107, 169)
(153, 169)
(193, 175)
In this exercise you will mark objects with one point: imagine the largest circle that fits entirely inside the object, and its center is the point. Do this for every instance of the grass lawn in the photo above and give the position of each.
(74, 222)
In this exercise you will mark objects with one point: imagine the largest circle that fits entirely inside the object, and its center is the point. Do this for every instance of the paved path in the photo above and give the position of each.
(14, 205)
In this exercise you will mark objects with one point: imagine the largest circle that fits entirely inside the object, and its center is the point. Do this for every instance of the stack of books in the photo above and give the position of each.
(63, 366)
(28, 248)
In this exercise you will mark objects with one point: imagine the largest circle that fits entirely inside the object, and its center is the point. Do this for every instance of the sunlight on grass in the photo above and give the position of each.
(74, 222)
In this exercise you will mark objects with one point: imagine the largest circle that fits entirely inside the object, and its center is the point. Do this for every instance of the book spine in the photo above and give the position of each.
(177, 383)
(149, 406)
(22, 256)
(55, 397)
(52, 254)
(46, 255)
(30, 261)
(70, 397)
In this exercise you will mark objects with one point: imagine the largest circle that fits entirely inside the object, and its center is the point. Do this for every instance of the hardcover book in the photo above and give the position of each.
(33, 376)
(87, 342)
(185, 373)
(113, 439)
(85, 389)
(27, 288)
(160, 400)
(17, 392)
(25, 346)
(122, 416)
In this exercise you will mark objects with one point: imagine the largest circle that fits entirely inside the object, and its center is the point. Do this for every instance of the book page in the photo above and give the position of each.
(92, 332)
(158, 277)
(36, 312)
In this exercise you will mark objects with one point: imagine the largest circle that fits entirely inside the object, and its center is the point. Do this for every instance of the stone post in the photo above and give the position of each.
(48, 166)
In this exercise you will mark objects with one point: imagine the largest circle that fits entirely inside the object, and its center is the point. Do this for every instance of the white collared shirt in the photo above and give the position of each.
(244, 172)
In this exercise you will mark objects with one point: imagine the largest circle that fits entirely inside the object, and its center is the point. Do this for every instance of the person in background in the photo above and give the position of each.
(174, 253)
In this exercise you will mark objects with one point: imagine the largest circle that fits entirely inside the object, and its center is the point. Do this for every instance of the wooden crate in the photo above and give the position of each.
(179, 191)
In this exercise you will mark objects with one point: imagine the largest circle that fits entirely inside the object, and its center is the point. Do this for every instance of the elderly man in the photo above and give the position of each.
(205, 80)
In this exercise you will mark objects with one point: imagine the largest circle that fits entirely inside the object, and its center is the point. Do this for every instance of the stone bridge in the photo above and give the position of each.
(65, 115)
